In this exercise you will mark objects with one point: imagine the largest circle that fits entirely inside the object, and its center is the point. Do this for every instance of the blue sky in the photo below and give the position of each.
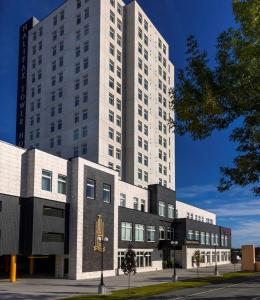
(197, 163)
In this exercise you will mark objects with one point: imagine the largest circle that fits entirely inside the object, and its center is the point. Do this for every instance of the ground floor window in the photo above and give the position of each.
(213, 257)
(202, 257)
(120, 259)
(218, 257)
(208, 257)
(143, 259)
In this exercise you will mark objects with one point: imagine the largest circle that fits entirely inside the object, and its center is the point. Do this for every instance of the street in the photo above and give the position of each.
(50, 289)
(240, 289)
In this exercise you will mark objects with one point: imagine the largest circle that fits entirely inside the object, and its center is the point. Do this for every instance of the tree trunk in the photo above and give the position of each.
(129, 282)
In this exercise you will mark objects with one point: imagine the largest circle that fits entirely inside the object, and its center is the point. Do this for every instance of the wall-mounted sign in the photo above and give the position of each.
(99, 234)
(22, 76)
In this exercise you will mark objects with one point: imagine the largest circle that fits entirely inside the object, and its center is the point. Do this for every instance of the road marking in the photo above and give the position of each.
(209, 291)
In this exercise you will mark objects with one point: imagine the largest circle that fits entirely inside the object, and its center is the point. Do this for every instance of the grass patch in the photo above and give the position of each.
(161, 288)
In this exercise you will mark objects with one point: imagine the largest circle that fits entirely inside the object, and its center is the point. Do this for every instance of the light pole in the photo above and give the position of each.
(216, 265)
(102, 288)
(174, 276)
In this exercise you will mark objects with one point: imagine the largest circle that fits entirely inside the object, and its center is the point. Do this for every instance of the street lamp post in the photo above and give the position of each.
(102, 288)
(174, 276)
(216, 265)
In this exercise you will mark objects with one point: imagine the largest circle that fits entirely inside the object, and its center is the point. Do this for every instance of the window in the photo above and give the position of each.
(118, 104)
(170, 211)
(118, 121)
(62, 179)
(122, 199)
(207, 238)
(140, 158)
(136, 201)
(106, 193)
(202, 238)
(46, 180)
(140, 142)
(139, 233)
(118, 154)
(111, 65)
(145, 129)
(76, 134)
(112, 17)
(50, 237)
(126, 231)
(76, 117)
(226, 240)
(112, 33)
(110, 150)
(111, 82)
(53, 212)
(120, 259)
(161, 208)
(118, 88)
(145, 145)
(111, 99)
(150, 233)
(111, 116)
(145, 176)
(142, 206)
(90, 191)
(190, 235)
(145, 25)
(146, 54)
(84, 131)
(86, 46)
(86, 13)
(111, 49)
(197, 235)
(140, 174)
(161, 233)
(118, 137)
(111, 133)
(85, 114)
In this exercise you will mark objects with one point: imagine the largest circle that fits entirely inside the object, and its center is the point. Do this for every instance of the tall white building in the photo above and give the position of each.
(94, 77)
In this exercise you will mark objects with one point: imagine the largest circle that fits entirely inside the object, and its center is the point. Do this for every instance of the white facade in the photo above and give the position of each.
(186, 257)
(149, 142)
(194, 213)
(83, 96)
(22, 173)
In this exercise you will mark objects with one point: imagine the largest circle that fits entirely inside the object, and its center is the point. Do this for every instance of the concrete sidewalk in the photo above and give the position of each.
(50, 289)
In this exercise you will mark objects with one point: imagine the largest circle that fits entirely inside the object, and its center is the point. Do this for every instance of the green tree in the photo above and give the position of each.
(213, 98)
(129, 264)
(197, 258)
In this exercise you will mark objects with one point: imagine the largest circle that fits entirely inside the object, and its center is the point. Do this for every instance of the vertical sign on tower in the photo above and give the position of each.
(22, 76)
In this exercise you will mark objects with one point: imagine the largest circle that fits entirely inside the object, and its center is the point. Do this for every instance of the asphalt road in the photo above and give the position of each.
(239, 289)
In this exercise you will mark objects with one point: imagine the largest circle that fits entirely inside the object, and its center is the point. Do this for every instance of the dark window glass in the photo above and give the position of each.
(90, 192)
(53, 212)
(53, 237)
(106, 193)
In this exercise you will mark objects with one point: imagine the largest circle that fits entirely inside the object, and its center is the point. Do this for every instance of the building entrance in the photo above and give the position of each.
(35, 266)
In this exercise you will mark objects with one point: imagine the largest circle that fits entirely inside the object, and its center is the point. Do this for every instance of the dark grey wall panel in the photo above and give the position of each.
(9, 224)
(47, 224)
(138, 217)
(26, 226)
(160, 193)
(33, 224)
(181, 227)
(93, 208)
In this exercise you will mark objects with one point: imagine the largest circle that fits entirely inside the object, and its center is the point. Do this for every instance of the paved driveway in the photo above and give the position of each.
(50, 289)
